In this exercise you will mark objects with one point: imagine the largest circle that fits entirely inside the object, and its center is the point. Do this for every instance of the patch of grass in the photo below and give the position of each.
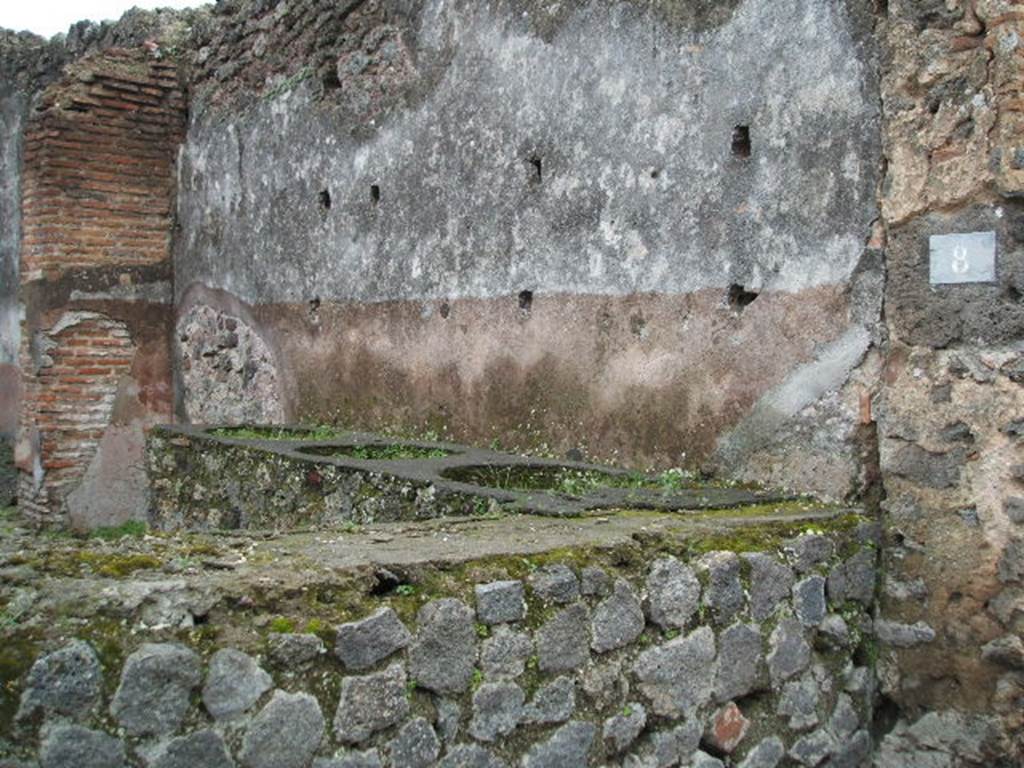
(377, 452)
(570, 481)
(279, 433)
(9, 618)
(282, 626)
(315, 627)
(131, 529)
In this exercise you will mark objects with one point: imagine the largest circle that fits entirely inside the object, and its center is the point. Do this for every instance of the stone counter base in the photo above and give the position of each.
(641, 643)
(287, 478)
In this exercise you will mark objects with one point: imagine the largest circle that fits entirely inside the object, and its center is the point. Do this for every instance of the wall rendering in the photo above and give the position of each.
(623, 229)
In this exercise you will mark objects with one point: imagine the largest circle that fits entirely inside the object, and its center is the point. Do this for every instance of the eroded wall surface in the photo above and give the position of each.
(12, 108)
(950, 398)
(543, 224)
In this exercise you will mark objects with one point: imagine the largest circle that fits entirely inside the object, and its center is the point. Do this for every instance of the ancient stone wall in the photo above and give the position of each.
(559, 659)
(643, 244)
(950, 392)
(656, 232)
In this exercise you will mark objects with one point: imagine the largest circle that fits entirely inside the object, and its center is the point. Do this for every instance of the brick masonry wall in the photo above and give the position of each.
(98, 191)
(99, 166)
(71, 395)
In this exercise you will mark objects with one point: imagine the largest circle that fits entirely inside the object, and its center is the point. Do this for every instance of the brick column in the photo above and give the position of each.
(97, 202)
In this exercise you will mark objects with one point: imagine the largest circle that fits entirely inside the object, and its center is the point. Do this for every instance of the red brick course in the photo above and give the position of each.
(98, 181)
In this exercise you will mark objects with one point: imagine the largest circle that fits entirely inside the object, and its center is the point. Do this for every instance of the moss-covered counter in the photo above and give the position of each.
(284, 478)
(629, 637)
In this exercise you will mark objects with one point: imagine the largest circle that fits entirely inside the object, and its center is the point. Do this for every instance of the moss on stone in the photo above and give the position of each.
(280, 433)
(390, 452)
(18, 651)
(767, 536)
(111, 564)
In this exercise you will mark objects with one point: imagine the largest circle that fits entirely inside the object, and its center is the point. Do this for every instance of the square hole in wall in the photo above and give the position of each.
(741, 141)
(525, 301)
(537, 169)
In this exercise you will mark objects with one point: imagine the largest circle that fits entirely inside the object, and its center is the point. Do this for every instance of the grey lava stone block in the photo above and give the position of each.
(790, 654)
(202, 748)
(704, 760)
(234, 682)
(724, 591)
(556, 583)
(497, 710)
(853, 752)
(449, 715)
(595, 581)
(799, 702)
(808, 550)
(361, 644)
(834, 632)
(552, 703)
(674, 746)
(618, 620)
(677, 676)
(770, 583)
(563, 642)
(470, 756)
(844, 721)
(293, 651)
(505, 653)
(854, 579)
(71, 746)
(673, 593)
(809, 600)
(767, 754)
(156, 683)
(443, 655)
(621, 730)
(285, 734)
(415, 746)
(65, 683)
(371, 703)
(500, 601)
(368, 759)
(740, 662)
(568, 747)
(812, 749)
(903, 635)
